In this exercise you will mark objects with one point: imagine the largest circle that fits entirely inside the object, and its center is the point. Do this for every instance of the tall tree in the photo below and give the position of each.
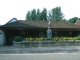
(38, 14)
(43, 14)
(50, 16)
(74, 19)
(28, 15)
(33, 14)
(55, 14)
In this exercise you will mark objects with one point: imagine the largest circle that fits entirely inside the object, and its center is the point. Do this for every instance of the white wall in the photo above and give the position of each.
(2, 37)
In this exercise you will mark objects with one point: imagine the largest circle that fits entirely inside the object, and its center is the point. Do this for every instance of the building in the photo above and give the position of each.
(26, 28)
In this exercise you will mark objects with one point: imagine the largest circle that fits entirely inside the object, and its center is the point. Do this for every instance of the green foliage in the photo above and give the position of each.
(55, 14)
(38, 14)
(33, 14)
(55, 38)
(74, 19)
(78, 37)
(35, 39)
(64, 38)
(18, 39)
(28, 16)
(43, 15)
(50, 16)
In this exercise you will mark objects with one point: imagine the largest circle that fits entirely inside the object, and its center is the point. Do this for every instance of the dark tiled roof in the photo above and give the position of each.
(62, 24)
(39, 24)
(17, 24)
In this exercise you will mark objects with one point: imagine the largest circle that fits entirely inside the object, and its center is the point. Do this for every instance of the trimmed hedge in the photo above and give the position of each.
(18, 39)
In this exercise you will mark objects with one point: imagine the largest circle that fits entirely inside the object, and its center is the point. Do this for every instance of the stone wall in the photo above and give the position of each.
(46, 43)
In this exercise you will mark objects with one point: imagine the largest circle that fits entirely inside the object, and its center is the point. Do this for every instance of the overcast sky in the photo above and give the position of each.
(18, 8)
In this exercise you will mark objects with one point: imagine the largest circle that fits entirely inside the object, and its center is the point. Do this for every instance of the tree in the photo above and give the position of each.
(43, 14)
(28, 16)
(55, 14)
(74, 19)
(50, 16)
(38, 14)
(33, 14)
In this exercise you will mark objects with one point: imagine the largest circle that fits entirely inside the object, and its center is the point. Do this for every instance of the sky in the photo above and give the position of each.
(18, 8)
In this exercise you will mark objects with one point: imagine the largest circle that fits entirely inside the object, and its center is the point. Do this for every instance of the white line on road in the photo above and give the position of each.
(39, 53)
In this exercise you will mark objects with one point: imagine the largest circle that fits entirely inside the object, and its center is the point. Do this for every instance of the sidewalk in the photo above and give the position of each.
(55, 49)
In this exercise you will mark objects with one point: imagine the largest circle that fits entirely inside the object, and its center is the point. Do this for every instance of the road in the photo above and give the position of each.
(41, 56)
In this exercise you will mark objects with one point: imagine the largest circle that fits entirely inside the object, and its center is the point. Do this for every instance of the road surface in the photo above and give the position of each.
(41, 56)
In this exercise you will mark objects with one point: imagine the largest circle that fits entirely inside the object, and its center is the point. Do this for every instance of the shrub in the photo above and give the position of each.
(56, 38)
(78, 37)
(65, 38)
(18, 39)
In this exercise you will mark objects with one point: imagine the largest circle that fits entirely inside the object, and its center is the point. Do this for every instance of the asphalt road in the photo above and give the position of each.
(41, 56)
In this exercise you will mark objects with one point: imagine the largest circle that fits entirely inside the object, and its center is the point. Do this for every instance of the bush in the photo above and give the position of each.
(56, 38)
(78, 37)
(66, 38)
(18, 39)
